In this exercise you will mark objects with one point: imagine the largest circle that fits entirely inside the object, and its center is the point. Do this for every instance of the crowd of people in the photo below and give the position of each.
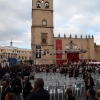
(15, 79)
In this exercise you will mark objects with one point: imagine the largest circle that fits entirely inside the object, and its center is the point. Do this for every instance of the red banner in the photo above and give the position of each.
(58, 49)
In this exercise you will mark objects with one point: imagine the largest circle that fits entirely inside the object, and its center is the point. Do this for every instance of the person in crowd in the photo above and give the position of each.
(7, 75)
(54, 69)
(0, 73)
(91, 94)
(70, 72)
(80, 71)
(32, 75)
(69, 94)
(6, 88)
(26, 87)
(65, 70)
(10, 96)
(85, 75)
(62, 70)
(47, 70)
(76, 72)
(38, 92)
(57, 70)
(17, 87)
(89, 83)
(98, 94)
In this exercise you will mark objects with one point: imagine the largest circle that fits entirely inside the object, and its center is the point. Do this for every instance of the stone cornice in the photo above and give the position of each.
(43, 9)
(37, 26)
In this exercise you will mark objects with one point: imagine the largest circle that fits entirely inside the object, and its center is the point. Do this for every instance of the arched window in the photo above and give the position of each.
(44, 22)
(46, 5)
(22, 57)
(19, 57)
(38, 4)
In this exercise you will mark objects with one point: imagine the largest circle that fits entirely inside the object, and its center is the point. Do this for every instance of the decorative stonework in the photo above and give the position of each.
(64, 35)
(44, 22)
(71, 46)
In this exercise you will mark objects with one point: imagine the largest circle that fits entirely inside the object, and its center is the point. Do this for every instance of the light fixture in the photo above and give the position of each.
(42, 1)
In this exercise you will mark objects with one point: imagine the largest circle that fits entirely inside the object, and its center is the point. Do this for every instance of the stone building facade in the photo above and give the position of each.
(14, 52)
(47, 49)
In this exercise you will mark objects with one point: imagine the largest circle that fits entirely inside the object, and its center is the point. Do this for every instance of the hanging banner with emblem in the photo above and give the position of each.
(58, 49)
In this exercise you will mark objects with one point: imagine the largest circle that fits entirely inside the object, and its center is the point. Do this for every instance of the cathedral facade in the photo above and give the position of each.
(47, 49)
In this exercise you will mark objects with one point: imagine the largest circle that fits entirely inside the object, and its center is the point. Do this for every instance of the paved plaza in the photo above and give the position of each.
(58, 81)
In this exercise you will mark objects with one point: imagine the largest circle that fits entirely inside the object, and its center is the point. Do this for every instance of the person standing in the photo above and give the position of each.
(32, 75)
(17, 87)
(26, 87)
(38, 92)
(10, 96)
(47, 70)
(98, 94)
(89, 83)
(6, 88)
(91, 94)
(69, 94)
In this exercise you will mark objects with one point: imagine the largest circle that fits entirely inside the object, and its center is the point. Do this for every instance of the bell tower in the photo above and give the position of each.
(42, 37)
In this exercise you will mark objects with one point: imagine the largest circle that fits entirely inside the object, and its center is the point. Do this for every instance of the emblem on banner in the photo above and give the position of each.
(59, 51)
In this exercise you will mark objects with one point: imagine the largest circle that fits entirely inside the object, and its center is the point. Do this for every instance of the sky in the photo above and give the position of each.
(70, 17)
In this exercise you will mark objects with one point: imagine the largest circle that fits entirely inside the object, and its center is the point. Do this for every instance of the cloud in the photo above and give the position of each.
(70, 16)
(77, 17)
(15, 20)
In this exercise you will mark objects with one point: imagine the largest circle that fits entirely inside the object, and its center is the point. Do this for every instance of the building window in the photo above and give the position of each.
(44, 22)
(22, 57)
(38, 4)
(43, 40)
(44, 37)
(46, 5)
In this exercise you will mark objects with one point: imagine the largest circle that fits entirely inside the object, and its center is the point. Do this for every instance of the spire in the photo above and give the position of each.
(11, 43)
(70, 36)
(64, 35)
(59, 35)
(86, 36)
(81, 35)
(89, 36)
(92, 37)
(75, 36)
